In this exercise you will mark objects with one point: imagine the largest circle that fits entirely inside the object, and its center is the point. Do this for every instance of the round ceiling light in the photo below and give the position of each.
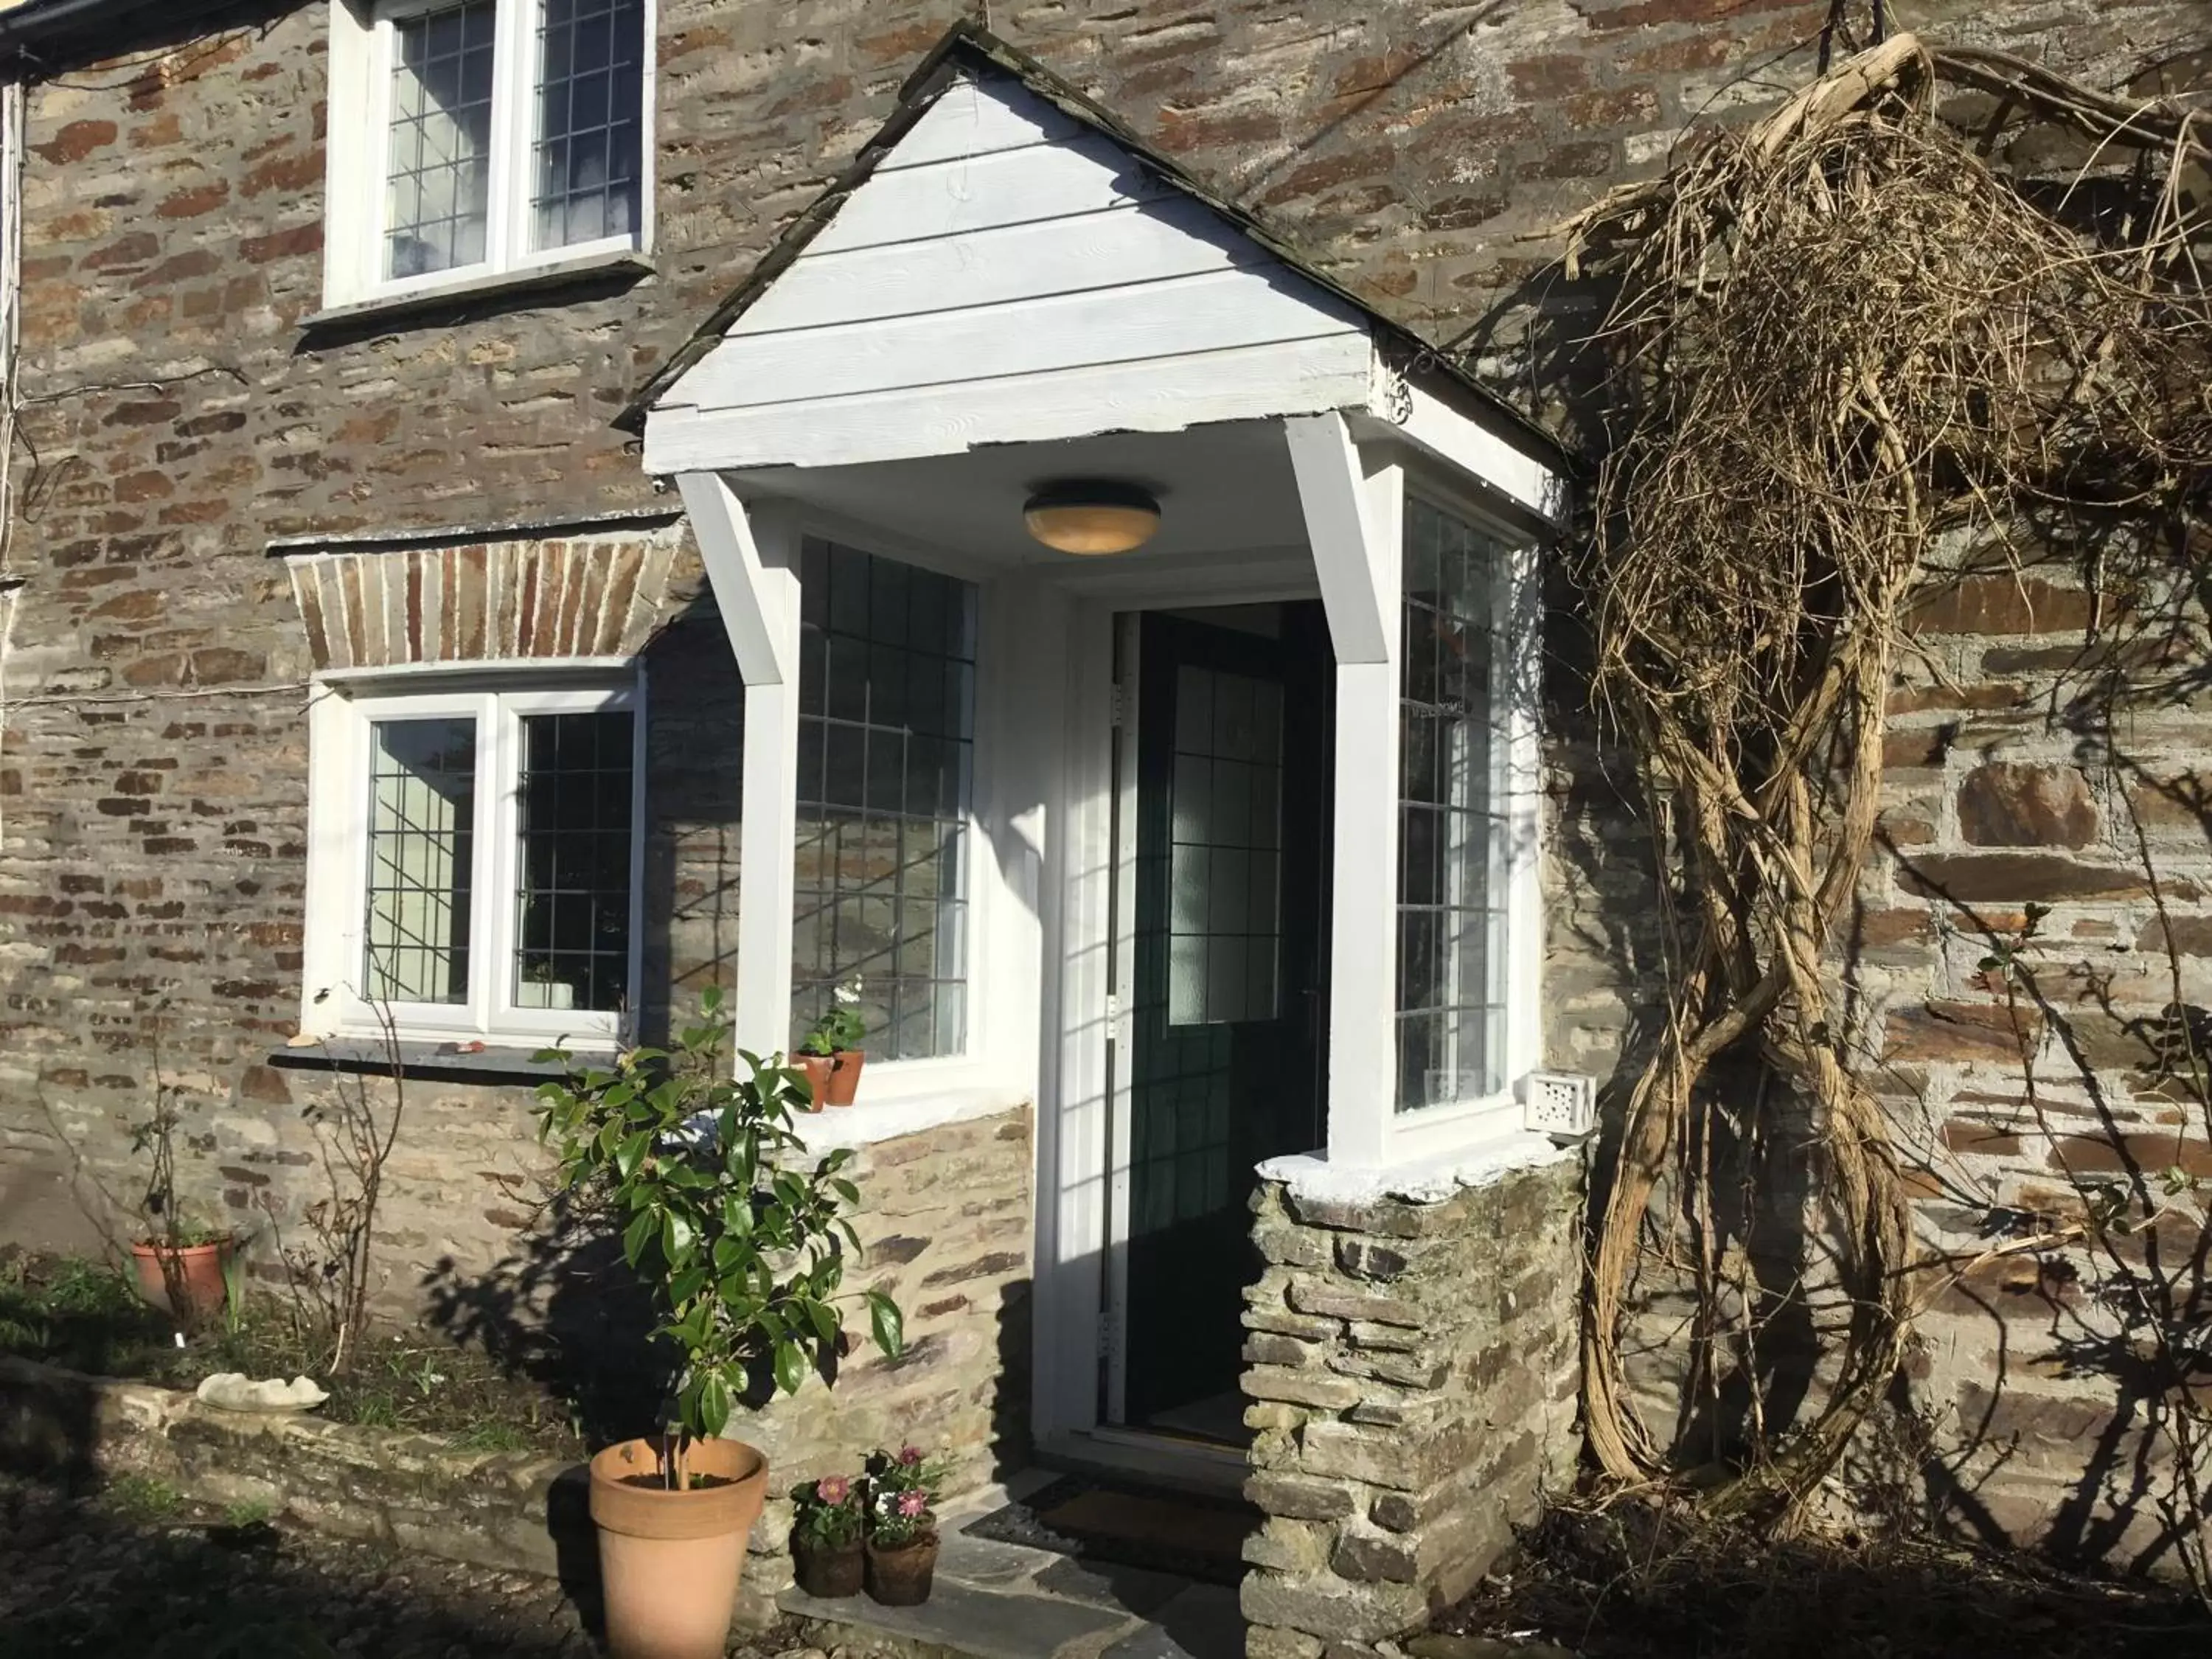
(1090, 516)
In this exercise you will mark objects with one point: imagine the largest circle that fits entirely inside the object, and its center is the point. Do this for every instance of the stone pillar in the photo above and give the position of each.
(1412, 1383)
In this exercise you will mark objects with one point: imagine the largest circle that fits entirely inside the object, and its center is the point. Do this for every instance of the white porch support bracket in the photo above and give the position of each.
(1352, 513)
(750, 551)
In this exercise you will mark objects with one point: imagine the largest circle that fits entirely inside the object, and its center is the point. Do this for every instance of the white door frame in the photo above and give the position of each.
(1083, 1119)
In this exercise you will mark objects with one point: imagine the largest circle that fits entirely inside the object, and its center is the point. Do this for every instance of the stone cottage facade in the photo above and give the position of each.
(317, 456)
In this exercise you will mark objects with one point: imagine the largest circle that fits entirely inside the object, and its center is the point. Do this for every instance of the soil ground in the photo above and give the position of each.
(1629, 1583)
(88, 1316)
(134, 1574)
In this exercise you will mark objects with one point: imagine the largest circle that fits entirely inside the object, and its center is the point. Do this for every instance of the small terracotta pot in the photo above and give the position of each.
(669, 1561)
(198, 1269)
(900, 1576)
(845, 1075)
(821, 1073)
(827, 1571)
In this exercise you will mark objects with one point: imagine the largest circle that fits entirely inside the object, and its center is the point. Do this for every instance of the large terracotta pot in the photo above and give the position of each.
(821, 1072)
(669, 1561)
(845, 1075)
(198, 1270)
(900, 1576)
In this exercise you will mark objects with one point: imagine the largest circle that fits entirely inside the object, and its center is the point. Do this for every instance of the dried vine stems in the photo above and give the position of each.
(1841, 339)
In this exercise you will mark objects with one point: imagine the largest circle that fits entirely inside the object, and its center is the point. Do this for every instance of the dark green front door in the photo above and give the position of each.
(1226, 1007)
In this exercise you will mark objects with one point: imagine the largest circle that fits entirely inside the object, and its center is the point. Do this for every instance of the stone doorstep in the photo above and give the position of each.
(994, 1601)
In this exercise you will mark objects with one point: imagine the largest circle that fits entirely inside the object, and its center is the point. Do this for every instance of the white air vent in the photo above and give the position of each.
(1561, 1104)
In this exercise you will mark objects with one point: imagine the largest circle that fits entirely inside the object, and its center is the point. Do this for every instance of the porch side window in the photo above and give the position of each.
(886, 742)
(1452, 850)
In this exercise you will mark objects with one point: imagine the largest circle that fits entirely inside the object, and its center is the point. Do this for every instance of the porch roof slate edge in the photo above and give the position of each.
(95, 27)
(968, 44)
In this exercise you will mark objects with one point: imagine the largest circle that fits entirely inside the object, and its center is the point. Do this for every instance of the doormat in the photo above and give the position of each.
(1200, 1538)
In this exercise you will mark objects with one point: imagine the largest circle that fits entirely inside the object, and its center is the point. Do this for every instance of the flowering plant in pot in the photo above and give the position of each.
(830, 1052)
(902, 1554)
(825, 1536)
(181, 1263)
(741, 1237)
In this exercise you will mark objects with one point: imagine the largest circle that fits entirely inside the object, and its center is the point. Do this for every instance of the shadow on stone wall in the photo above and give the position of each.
(564, 1309)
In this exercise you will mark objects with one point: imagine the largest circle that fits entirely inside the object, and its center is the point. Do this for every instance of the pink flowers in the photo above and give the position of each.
(908, 1456)
(912, 1504)
(833, 1489)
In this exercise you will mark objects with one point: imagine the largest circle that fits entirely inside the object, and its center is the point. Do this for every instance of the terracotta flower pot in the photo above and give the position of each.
(845, 1075)
(827, 1571)
(821, 1072)
(669, 1561)
(198, 1270)
(900, 1576)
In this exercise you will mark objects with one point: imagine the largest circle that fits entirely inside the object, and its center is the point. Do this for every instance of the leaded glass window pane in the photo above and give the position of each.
(887, 758)
(573, 829)
(1223, 852)
(590, 93)
(422, 829)
(1451, 828)
(438, 174)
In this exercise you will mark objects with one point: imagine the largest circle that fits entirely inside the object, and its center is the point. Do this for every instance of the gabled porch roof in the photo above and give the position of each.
(1005, 261)
(1008, 289)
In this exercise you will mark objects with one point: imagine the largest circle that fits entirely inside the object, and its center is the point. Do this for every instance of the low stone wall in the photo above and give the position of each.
(513, 1511)
(1412, 1381)
(944, 1226)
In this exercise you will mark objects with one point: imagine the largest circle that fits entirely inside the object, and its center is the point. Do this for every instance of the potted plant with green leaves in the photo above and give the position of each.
(825, 1537)
(830, 1052)
(181, 1262)
(903, 1487)
(743, 1240)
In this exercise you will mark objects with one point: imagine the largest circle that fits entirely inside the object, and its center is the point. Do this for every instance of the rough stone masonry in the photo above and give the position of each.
(1410, 1370)
(180, 411)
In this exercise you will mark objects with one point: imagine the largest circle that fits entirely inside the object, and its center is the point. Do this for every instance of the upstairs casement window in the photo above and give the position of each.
(474, 865)
(480, 138)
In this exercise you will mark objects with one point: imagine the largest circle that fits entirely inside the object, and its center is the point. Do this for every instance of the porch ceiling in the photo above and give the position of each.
(1224, 489)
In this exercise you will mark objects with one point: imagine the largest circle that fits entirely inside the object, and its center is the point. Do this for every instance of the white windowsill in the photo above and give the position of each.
(867, 1121)
(1426, 1181)
(476, 283)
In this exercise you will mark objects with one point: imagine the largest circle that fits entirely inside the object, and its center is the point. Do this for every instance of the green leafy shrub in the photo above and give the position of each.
(741, 1237)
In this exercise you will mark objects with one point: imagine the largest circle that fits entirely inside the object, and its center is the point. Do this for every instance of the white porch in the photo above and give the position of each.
(1005, 295)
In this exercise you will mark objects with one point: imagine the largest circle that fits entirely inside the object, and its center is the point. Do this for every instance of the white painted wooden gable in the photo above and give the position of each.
(1007, 274)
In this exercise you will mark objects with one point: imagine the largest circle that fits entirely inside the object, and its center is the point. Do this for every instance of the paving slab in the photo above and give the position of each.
(1202, 1622)
(974, 1623)
(1140, 1590)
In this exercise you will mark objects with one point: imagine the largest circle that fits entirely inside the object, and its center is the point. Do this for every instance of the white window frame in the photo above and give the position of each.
(969, 1067)
(357, 193)
(1516, 674)
(1353, 496)
(750, 549)
(333, 1004)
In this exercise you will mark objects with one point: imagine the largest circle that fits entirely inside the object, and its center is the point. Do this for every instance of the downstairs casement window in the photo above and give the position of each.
(473, 868)
(475, 139)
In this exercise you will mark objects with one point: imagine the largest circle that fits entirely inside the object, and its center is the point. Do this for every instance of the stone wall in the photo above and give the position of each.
(180, 413)
(945, 1224)
(414, 1492)
(1412, 1375)
(945, 1221)
(2032, 767)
